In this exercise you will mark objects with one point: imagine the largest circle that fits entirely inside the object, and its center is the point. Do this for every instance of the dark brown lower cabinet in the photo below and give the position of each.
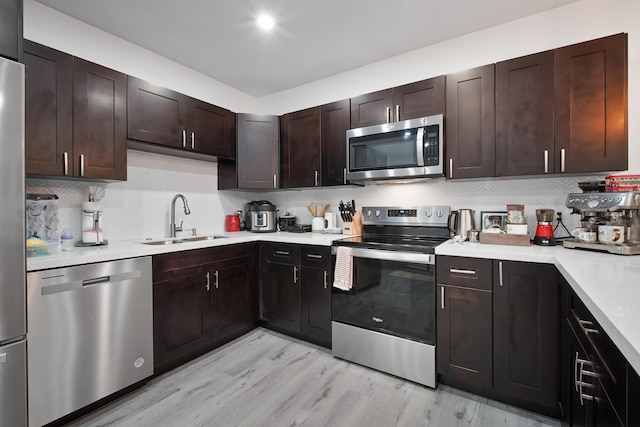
(283, 293)
(316, 280)
(497, 330)
(633, 398)
(201, 299)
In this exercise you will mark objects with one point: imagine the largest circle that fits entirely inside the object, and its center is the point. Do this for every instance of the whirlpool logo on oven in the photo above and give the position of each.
(377, 319)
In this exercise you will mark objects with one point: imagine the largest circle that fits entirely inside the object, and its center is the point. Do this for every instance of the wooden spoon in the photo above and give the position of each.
(312, 208)
(325, 210)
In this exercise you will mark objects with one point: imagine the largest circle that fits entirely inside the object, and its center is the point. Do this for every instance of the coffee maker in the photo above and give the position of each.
(603, 209)
(544, 230)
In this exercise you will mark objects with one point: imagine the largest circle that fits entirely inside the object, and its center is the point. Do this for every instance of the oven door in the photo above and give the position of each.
(392, 293)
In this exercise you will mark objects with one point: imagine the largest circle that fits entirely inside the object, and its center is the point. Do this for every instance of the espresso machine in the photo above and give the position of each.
(601, 209)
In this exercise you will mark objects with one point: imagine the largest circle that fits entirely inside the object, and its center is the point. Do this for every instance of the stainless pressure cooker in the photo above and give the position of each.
(261, 216)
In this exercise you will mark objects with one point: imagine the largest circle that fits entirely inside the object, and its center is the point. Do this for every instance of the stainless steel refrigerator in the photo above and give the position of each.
(13, 324)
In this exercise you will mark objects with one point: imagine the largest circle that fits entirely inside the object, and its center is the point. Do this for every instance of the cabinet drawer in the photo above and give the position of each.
(176, 264)
(315, 256)
(609, 364)
(282, 253)
(465, 272)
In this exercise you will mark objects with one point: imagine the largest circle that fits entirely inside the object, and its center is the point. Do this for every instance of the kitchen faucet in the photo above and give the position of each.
(173, 229)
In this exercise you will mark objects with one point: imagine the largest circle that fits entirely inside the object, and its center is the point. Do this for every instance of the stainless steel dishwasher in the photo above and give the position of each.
(90, 332)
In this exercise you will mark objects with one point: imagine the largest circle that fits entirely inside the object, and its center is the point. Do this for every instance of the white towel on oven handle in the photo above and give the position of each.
(343, 275)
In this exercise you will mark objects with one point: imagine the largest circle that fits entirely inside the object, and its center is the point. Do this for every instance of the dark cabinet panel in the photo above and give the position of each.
(257, 162)
(633, 398)
(283, 294)
(591, 106)
(48, 111)
(300, 142)
(464, 339)
(233, 299)
(11, 29)
(212, 130)
(470, 123)
(525, 334)
(316, 279)
(419, 99)
(99, 121)
(372, 108)
(524, 115)
(155, 114)
(335, 121)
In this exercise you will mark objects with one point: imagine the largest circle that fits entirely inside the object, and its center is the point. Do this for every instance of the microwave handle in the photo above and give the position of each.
(420, 146)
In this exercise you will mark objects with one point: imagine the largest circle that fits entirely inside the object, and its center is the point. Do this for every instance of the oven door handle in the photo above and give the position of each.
(415, 257)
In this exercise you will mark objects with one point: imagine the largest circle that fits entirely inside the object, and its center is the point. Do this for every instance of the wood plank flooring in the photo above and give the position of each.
(268, 379)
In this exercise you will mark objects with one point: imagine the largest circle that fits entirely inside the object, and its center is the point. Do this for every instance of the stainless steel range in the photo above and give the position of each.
(383, 312)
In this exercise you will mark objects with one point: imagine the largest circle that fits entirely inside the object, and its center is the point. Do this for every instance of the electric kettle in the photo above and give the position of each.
(461, 221)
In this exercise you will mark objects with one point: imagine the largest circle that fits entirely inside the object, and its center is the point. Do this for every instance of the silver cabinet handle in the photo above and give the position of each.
(81, 164)
(295, 275)
(217, 278)
(562, 159)
(316, 178)
(285, 253)
(208, 285)
(325, 279)
(450, 167)
(344, 176)
(580, 383)
(275, 182)
(442, 298)
(184, 138)
(193, 140)
(65, 160)
(397, 112)
(500, 268)
(388, 114)
(460, 271)
(314, 256)
(583, 325)
(546, 161)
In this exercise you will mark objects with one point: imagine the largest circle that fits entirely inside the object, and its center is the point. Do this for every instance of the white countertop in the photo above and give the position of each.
(608, 285)
(134, 248)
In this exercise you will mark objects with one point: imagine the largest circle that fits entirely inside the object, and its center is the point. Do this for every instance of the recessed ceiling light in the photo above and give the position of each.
(265, 22)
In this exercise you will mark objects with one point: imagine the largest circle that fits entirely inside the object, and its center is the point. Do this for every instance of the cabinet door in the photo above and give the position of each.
(49, 111)
(283, 293)
(335, 120)
(181, 318)
(470, 123)
(419, 99)
(633, 397)
(315, 289)
(525, 334)
(464, 350)
(155, 114)
(99, 121)
(300, 142)
(258, 153)
(233, 299)
(211, 129)
(372, 109)
(11, 28)
(591, 106)
(524, 115)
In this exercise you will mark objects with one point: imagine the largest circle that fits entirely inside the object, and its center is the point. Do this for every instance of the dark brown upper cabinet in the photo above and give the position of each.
(162, 117)
(470, 135)
(335, 121)
(410, 101)
(258, 155)
(11, 29)
(591, 106)
(300, 144)
(75, 121)
(524, 115)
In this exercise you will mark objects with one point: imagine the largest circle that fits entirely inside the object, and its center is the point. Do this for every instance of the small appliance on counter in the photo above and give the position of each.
(261, 217)
(460, 223)
(544, 230)
(232, 222)
(286, 222)
(614, 217)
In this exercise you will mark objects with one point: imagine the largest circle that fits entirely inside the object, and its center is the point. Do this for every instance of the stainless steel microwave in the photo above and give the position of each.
(409, 149)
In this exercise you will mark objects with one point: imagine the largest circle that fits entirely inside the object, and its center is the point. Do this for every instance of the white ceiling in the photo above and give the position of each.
(313, 39)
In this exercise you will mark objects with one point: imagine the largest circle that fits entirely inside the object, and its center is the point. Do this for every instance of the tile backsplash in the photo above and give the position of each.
(139, 208)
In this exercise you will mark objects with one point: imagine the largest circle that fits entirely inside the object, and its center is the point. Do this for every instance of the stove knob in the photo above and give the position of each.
(377, 213)
(440, 214)
(368, 213)
(429, 213)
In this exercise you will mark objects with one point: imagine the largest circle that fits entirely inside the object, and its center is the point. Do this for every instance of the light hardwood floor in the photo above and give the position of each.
(268, 379)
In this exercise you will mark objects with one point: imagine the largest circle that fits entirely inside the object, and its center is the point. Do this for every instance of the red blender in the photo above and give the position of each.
(544, 230)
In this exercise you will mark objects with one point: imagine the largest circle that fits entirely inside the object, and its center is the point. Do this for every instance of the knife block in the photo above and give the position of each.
(353, 227)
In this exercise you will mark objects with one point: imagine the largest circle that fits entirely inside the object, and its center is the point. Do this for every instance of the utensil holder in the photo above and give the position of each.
(353, 227)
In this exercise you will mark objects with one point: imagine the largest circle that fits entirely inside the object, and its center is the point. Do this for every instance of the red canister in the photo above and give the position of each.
(232, 223)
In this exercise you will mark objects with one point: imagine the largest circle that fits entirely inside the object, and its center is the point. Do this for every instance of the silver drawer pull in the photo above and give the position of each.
(314, 256)
(325, 279)
(285, 253)
(295, 275)
(459, 271)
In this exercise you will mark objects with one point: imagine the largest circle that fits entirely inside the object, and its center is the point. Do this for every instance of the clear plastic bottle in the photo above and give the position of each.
(67, 240)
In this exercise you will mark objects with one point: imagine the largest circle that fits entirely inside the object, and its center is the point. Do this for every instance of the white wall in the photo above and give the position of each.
(139, 207)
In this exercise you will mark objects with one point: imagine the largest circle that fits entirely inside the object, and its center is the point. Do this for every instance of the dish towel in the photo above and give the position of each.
(343, 275)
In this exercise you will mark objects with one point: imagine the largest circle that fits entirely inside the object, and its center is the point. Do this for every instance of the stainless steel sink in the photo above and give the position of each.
(172, 241)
